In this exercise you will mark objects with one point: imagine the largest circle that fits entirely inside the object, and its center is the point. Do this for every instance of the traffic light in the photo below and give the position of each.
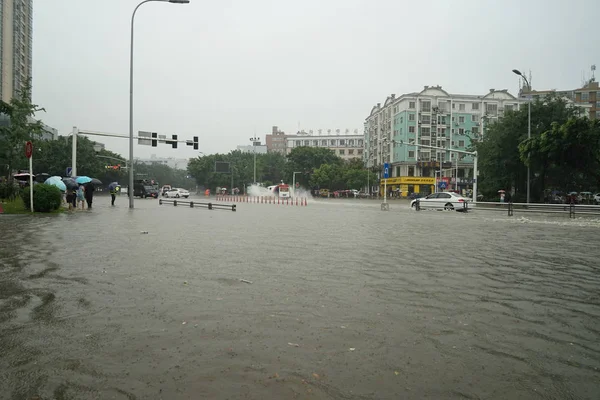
(154, 139)
(195, 142)
(174, 141)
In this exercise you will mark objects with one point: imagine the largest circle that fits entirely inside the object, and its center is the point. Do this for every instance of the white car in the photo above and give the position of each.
(442, 201)
(177, 193)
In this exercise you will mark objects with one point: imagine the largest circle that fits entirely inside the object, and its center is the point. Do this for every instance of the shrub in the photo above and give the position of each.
(46, 198)
(9, 191)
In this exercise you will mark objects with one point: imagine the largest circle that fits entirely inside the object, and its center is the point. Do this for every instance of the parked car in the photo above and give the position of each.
(177, 193)
(442, 201)
(597, 198)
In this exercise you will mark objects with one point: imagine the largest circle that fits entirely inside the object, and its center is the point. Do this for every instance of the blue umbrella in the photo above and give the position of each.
(56, 181)
(113, 185)
(83, 179)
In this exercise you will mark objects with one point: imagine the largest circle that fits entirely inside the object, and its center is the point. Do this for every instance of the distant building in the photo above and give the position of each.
(276, 141)
(176, 163)
(256, 147)
(345, 146)
(586, 97)
(16, 28)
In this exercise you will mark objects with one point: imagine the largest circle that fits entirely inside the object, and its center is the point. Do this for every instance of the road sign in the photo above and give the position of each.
(443, 185)
(386, 171)
(68, 171)
(145, 142)
(28, 149)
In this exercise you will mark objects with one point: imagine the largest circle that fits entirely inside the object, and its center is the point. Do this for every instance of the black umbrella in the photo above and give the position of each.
(70, 183)
(96, 182)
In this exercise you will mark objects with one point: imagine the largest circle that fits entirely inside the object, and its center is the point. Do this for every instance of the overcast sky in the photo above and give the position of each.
(222, 70)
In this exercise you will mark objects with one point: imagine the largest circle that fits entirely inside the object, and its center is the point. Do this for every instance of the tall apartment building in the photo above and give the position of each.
(345, 146)
(276, 141)
(431, 117)
(16, 18)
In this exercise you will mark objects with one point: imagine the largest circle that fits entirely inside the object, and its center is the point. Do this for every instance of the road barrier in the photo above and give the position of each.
(192, 204)
(540, 208)
(285, 201)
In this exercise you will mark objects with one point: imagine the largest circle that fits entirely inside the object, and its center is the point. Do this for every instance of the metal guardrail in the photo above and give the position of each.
(540, 208)
(192, 204)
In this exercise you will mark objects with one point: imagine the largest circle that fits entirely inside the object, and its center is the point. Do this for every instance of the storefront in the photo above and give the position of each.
(407, 185)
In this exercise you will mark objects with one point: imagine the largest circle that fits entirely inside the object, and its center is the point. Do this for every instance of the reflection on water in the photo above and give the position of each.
(345, 302)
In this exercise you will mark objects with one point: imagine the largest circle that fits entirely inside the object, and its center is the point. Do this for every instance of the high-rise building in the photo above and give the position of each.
(16, 28)
(431, 117)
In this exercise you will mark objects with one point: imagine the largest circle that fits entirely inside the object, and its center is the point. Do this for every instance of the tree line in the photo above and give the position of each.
(312, 167)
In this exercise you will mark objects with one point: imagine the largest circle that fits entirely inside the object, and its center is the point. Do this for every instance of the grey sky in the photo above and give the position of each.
(223, 69)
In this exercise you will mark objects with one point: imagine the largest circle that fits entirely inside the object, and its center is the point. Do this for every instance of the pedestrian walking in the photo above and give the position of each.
(80, 193)
(71, 196)
(89, 194)
(114, 190)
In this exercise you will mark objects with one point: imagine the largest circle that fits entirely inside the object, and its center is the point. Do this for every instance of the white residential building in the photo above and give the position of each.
(431, 117)
(346, 146)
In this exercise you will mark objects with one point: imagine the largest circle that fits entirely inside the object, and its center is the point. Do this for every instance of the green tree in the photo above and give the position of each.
(306, 160)
(21, 128)
(568, 155)
(501, 165)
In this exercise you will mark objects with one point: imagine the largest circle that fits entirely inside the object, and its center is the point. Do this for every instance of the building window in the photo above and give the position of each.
(324, 143)
(332, 143)
(426, 106)
(342, 142)
(411, 154)
(461, 107)
(426, 119)
(425, 142)
(461, 143)
(474, 118)
(411, 129)
(411, 105)
(491, 108)
(597, 114)
(411, 117)
(442, 106)
(475, 106)
(461, 131)
(475, 130)
(508, 107)
(342, 152)
(307, 142)
(351, 151)
(360, 152)
(316, 143)
(461, 119)
(425, 131)
(585, 96)
(360, 143)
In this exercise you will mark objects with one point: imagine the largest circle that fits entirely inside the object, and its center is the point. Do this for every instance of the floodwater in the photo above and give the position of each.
(345, 302)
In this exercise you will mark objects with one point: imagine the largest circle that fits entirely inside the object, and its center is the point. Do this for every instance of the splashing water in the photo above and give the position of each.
(255, 190)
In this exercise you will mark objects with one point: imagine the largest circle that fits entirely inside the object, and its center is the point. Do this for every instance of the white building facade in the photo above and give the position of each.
(175, 163)
(431, 117)
(345, 146)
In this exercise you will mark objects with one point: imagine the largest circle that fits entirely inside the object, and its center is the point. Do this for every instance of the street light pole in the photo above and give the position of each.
(516, 71)
(253, 140)
(130, 188)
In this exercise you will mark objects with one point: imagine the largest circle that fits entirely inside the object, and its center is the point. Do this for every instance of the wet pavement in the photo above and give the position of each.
(345, 302)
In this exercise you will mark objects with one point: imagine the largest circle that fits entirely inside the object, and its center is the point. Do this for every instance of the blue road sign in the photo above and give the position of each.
(386, 171)
(443, 185)
(69, 170)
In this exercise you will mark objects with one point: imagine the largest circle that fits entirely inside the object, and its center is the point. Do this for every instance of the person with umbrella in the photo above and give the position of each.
(114, 189)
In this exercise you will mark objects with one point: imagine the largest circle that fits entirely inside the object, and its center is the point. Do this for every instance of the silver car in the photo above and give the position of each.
(442, 201)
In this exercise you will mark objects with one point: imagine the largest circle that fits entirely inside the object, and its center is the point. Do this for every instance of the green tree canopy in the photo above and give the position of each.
(501, 162)
(21, 128)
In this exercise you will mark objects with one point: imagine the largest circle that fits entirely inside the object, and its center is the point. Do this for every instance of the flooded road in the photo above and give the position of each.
(345, 302)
